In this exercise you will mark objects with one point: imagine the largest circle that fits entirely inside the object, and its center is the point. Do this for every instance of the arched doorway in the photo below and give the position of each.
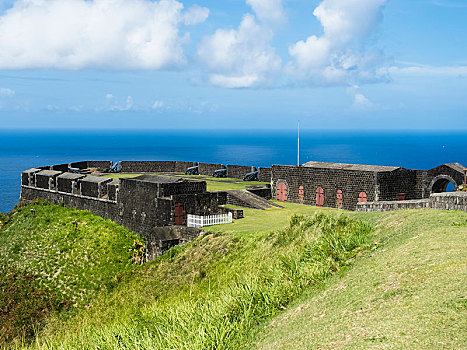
(319, 197)
(362, 198)
(281, 193)
(339, 200)
(442, 183)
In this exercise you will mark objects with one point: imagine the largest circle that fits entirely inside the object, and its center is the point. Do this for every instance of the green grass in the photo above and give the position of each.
(213, 292)
(409, 294)
(270, 219)
(212, 184)
(295, 278)
(77, 264)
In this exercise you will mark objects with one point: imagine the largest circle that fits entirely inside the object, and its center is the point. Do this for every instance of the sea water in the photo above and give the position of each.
(24, 149)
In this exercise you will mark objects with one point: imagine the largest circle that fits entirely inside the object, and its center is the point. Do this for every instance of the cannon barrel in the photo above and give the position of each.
(220, 173)
(194, 170)
(253, 176)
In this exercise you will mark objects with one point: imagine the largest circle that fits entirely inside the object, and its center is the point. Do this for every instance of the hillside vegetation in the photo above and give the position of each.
(409, 294)
(47, 265)
(293, 278)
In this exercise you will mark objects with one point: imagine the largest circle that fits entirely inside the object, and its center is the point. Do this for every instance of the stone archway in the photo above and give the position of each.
(440, 183)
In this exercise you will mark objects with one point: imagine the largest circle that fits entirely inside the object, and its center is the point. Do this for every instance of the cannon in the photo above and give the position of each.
(220, 173)
(114, 168)
(74, 170)
(194, 170)
(253, 176)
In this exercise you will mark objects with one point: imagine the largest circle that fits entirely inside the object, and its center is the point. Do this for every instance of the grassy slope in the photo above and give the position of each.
(75, 264)
(211, 293)
(407, 292)
(410, 295)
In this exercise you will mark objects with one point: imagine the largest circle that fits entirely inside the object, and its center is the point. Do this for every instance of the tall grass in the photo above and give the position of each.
(222, 317)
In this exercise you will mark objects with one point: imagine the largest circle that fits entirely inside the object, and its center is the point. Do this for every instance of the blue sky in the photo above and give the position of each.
(332, 64)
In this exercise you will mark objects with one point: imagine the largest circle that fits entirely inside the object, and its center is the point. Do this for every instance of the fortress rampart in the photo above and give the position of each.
(149, 204)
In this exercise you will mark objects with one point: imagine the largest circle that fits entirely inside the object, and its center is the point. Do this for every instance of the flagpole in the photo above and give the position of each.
(298, 144)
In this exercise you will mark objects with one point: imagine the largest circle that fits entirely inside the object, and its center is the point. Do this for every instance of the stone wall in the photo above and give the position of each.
(147, 166)
(394, 205)
(350, 182)
(155, 166)
(93, 186)
(449, 201)
(59, 167)
(79, 165)
(392, 184)
(443, 171)
(137, 205)
(239, 171)
(66, 182)
(103, 165)
(197, 204)
(163, 238)
(209, 168)
(264, 192)
(440, 201)
(189, 187)
(236, 213)
(46, 179)
(181, 167)
(264, 174)
(103, 208)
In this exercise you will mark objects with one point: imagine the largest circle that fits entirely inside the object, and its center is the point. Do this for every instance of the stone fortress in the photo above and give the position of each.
(156, 206)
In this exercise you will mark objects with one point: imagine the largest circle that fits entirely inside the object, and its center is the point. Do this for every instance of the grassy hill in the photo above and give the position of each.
(409, 294)
(299, 277)
(62, 267)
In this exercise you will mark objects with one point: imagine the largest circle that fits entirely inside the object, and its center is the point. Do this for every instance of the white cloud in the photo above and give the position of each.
(6, 92)
(51, 107)
(244, 57)
(114, 105)
(360, 101)
(73, 34)
(339, 55)
(158, 104)
(195, 15)
(267, 10)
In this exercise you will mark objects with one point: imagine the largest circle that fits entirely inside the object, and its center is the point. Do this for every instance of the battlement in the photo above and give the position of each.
(144, 202)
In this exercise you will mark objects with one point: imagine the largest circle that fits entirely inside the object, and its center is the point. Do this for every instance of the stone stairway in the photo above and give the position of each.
(244, 198)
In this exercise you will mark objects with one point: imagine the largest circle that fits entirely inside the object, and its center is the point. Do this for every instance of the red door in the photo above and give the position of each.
(301, 193)
(178, 214)
(339, 195)
(281, 192)
(401, 196)
(362, 197)
(319, 197)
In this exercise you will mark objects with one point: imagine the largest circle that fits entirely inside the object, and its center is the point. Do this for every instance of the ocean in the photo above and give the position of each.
(24, 149)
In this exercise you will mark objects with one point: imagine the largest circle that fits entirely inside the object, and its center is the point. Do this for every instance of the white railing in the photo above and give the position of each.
(201, 221)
